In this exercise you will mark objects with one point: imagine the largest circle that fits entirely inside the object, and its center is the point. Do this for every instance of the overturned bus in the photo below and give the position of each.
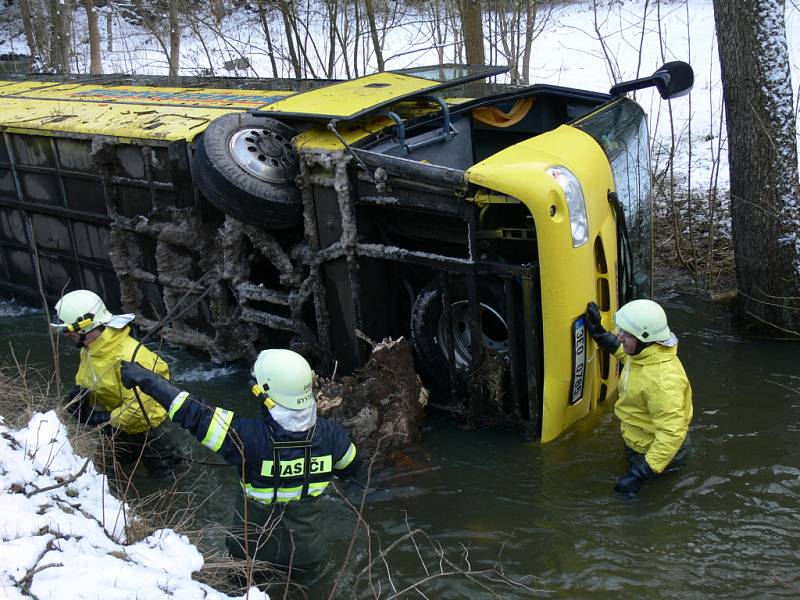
(425, 203)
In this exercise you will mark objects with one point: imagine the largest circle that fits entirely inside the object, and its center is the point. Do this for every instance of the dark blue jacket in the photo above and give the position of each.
(278, 465)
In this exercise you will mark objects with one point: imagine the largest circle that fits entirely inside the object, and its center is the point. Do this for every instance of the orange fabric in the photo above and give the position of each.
(493, 116)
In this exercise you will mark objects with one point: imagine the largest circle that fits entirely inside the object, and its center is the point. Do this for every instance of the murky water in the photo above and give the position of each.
(728, 526)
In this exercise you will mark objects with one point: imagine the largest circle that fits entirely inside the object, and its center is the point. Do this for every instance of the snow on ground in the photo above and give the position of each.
(63, 536)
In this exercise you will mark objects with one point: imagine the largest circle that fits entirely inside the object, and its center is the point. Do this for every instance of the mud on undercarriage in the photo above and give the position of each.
(229, 288)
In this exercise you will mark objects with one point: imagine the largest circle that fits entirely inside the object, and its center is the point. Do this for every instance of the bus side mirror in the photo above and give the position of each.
(673, 80)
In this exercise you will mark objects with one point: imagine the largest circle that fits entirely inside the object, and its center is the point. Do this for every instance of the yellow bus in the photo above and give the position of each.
(476, 220)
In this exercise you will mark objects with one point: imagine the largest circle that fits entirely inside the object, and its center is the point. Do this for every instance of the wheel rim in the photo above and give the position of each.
(494, 332)
(265, 154)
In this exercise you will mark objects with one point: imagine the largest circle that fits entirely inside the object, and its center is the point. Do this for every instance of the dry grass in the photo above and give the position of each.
(23, 391)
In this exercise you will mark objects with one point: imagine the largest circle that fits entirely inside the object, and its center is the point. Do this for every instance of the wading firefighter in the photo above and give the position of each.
(286, 459)
(133, 423)
(655, 397)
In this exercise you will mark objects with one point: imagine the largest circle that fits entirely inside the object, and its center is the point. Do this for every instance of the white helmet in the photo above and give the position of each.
(80, 312)
(645, 320)
(285, 377)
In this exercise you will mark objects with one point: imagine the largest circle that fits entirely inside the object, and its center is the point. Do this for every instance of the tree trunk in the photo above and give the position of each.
(332, 8)
(174, 40)
(369, 7)
(262, 15)
(109, 27)
(60, 20)
(285, 8)
(765, 187)
(27, 25)
(356, 37)
(217, 11)
(95, 60)
(472, 26)
(532, 9)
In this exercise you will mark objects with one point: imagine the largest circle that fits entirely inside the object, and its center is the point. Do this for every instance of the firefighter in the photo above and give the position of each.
(99, 398)
(286, 458)
(655, 397)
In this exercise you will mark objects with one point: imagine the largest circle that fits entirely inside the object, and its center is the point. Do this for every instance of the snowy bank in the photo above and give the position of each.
(63, 532)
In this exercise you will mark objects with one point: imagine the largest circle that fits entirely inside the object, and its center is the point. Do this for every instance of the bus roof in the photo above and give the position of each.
(181, 113)
(132, 112)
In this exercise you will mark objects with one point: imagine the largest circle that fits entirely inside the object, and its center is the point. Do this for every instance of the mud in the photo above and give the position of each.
(381, 404)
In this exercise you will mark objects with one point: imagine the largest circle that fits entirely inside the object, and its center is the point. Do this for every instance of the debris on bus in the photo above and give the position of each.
(382, 404)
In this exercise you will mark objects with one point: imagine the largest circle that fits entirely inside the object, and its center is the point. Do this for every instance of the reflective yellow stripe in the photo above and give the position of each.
(217, 429)
(347, 458)
(287, 494)
(177, 403)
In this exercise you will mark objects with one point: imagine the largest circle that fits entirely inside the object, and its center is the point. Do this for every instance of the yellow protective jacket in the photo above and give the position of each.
(654, 404)
(99, 373)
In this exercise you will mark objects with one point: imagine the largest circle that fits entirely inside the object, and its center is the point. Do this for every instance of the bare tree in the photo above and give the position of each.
(262, 17)
(96, 62)
(47, 25)
(369, 8)
(28, 26)
(289, 18)
(174, 40)
(109, 26)
(438, 27)
(472, 26)
(762, 149)
(516, 24)
(167, 34)
(60, 27)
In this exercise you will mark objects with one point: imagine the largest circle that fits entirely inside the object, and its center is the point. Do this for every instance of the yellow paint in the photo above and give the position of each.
(125, 112)
(348, 98)
(567, 274)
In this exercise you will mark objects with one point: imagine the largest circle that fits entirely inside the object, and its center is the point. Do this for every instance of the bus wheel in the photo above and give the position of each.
(434, 328)
(245, 166)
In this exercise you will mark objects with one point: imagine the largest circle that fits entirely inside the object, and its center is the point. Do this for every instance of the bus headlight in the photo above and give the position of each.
(576, 205)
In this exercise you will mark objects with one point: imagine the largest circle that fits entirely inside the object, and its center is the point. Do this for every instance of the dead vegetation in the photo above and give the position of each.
(693, 237)
(383, 400)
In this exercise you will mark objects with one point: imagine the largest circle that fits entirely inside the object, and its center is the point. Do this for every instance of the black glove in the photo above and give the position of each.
(151, 383)
(593, 320)
(77, 403)
(638, 472)
(97, 417)
(604, 338)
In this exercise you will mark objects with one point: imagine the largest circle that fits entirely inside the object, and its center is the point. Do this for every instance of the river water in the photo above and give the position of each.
(547, 516)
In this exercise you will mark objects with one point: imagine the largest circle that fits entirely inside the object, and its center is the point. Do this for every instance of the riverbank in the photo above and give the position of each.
(65, 535)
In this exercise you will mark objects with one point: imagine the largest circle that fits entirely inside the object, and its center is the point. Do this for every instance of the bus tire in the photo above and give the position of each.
(245, 166)
(429, 329)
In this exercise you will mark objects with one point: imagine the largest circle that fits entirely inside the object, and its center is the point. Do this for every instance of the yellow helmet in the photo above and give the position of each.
(80, 312)
(285, 377)
(645, 320)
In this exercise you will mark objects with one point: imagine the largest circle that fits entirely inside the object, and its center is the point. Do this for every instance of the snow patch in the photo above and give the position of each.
(63, 534)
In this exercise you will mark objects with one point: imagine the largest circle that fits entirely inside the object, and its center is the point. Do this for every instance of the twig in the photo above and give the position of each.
(67, 481)
(796, 391)
(360, 519)
(25, 582)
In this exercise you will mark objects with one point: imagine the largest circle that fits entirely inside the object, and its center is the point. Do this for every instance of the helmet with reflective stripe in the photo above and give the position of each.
(645, 320)
(285, 377)
(80, 312)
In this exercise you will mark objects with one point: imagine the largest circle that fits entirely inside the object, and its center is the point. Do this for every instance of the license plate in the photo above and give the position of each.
(578, 359)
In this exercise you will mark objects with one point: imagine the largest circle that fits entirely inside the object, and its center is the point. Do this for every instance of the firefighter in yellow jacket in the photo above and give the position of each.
(655, 397)
(99, 398)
